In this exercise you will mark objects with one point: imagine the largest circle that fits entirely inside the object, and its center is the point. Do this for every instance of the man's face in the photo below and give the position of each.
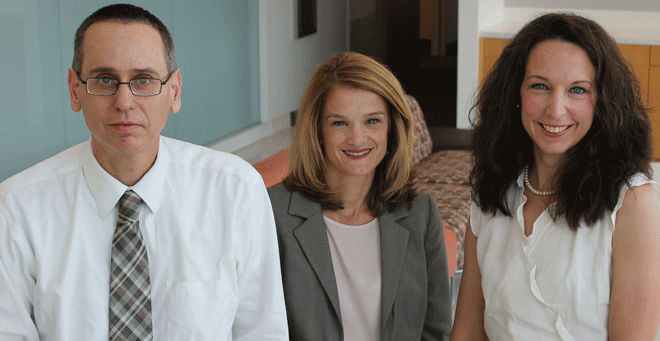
(124, 126)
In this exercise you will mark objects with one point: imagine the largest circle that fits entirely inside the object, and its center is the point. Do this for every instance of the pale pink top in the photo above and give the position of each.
(355, 254)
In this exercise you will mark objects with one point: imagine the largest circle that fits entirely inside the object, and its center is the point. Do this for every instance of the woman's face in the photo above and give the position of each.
(558, 95)
(354, 126)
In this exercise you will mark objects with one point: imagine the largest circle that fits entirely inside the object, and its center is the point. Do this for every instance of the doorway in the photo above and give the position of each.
(417, 40)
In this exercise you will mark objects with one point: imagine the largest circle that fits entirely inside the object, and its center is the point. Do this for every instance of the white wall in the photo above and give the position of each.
(615, 5)
(287, 63)
(468, 55)
(472, 16)
(292, 61)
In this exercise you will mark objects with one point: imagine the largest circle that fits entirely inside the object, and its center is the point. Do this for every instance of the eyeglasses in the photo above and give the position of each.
(106, 86)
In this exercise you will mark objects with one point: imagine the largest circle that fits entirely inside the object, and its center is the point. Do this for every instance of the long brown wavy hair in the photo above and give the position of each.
(617, 145)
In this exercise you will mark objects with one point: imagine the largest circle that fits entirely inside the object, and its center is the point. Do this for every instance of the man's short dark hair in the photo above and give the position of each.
(123, 13)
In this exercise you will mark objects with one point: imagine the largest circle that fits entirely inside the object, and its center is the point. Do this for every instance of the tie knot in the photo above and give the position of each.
(129, 207)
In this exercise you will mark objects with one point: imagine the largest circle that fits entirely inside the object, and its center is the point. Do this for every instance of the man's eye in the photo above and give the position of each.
(142, 81)
(105, 80)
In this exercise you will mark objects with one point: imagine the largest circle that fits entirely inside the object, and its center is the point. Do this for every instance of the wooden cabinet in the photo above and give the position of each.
(645, 61)
(639, 57)
(489, 50)
(654, 99)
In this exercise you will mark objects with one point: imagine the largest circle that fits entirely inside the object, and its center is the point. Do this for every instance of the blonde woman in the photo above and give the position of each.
(362, 254)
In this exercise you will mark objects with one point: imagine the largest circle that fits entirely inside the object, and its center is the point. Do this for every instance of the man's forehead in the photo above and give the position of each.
(135, 44)
(112, 27)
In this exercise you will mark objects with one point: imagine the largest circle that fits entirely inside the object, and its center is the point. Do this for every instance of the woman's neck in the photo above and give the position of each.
(352, 192)
(545, 171)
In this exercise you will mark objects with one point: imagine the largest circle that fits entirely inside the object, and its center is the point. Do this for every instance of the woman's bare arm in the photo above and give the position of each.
(469, 320)
(635, 297)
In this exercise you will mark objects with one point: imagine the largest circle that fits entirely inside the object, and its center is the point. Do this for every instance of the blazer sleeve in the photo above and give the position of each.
(310, 311)
(438, 313)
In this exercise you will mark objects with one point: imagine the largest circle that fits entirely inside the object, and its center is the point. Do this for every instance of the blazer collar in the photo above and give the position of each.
(302, 207)
(393, 246)
(313, 239)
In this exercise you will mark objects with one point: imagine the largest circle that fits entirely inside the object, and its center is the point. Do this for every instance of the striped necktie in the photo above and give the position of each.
(130, 291)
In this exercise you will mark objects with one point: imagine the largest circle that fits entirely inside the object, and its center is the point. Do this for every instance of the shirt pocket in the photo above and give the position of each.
(200, 310)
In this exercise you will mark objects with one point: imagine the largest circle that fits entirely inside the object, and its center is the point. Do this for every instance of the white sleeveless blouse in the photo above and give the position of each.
(552, 285)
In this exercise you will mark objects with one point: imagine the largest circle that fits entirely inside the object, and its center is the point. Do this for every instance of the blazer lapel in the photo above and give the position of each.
(313, 240)
(393, 246)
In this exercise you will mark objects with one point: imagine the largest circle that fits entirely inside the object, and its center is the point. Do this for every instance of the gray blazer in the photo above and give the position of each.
(415, 302)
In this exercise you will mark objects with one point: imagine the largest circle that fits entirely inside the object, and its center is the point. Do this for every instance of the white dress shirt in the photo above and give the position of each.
(210, 236)
(551, 285)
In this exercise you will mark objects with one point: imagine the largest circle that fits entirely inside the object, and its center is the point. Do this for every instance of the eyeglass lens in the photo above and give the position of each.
(108, 86)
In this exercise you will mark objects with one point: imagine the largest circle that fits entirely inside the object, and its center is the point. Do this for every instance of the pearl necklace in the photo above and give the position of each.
(535, 191)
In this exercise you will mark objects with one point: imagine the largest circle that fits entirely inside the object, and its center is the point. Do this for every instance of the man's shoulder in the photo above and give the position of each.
(194, 156)
(47, 170)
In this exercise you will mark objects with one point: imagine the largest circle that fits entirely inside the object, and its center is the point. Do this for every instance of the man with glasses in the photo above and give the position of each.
(131, 235)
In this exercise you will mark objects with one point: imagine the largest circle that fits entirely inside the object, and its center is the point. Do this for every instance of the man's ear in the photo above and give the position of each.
(175, 84)
(74, 83)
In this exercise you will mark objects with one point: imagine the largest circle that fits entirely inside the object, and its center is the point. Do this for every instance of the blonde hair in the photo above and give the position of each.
(393, 182)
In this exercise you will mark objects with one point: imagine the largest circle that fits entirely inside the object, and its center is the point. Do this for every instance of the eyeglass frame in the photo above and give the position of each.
(128, 83)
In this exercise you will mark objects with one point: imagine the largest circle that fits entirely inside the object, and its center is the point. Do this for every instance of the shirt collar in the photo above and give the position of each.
(150, 187)
(107, 190)
(521, 179)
